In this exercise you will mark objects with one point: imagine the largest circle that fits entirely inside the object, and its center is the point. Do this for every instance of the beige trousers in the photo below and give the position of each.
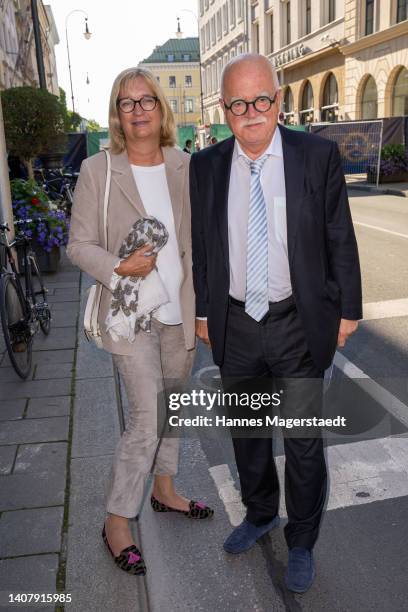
(158, 355)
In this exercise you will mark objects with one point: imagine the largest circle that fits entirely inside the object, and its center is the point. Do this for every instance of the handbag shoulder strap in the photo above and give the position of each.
(106, 198)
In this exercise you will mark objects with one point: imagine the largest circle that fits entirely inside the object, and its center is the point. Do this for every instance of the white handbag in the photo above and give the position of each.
(91, 325)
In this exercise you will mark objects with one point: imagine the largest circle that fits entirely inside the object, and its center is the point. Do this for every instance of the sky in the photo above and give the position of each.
(124, 32)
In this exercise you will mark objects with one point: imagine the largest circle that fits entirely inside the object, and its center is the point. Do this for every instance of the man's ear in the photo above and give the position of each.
(221, 103)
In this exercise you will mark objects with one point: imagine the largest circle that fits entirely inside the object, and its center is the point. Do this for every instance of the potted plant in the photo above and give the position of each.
(393, 165)
(47, 227)
(33, 123)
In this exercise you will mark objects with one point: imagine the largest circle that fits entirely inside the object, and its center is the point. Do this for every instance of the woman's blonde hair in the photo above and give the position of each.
(168, 126)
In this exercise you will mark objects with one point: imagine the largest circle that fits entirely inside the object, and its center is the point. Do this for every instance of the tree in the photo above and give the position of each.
(92, 125)
(72, 120)
(33, 123)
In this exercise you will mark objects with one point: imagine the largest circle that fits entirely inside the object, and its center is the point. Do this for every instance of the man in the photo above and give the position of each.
(187, 146)
(276, 273)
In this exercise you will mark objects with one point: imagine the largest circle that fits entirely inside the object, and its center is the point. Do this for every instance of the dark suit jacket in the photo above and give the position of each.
(323, 256)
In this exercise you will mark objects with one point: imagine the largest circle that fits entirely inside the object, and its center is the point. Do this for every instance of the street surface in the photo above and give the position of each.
(58, 433)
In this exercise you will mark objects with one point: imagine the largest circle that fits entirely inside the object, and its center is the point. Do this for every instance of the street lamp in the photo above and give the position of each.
(87, 36)
(199, 64)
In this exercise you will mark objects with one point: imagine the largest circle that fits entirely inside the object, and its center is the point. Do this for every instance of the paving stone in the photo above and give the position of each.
(35, 388)
(91, 361)
(55, 356)
(59, 338)
(7, 454)
(8, 374)
(41, 458)
(43, 357)
(64, 307)
(53, 370)
(57, 284)
(31, 532)
(64, 318)
(11, 410)
(34, 430)
(19, 491)
(33, 574)
(95, 423)
(49, 407)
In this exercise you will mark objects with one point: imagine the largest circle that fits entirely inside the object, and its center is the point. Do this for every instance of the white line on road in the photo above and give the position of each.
(380, 229)
(360, 472)
(385, 309)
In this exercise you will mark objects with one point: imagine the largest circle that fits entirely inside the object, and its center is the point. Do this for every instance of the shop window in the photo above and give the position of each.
(400, 94)
(307, 110)
(288, 110)
(330, 99)
(369, 100)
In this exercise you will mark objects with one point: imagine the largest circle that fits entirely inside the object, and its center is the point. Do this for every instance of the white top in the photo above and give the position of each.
(273, 186)
(152, 185)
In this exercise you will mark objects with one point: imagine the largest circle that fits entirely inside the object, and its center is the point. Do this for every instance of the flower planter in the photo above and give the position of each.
(47, 262)
(400, 177)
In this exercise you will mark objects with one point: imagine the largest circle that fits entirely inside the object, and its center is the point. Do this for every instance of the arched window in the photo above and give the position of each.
(289, 115)
(330, 99)
(307, 110)
(400, 94)
(369, 100)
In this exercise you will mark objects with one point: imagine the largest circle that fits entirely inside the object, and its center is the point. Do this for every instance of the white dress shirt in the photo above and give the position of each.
(273, 187)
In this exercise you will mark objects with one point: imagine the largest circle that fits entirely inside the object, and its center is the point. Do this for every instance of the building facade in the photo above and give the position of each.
(223, 27)
(18, 65)
(176, 65)
(337, 60)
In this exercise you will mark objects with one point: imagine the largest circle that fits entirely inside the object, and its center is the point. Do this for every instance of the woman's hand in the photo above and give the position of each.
(137, 264)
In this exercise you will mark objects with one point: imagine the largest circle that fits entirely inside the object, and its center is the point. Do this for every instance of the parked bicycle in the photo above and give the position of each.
(23, 306)
(59, 185)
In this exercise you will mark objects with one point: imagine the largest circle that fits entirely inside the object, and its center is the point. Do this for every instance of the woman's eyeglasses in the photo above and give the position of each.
(147, 103)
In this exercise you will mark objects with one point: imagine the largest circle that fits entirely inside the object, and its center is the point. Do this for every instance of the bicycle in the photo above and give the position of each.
(23, 309)
(59, 185)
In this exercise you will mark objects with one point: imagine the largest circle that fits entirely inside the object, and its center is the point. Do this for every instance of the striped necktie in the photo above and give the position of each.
(256, 297)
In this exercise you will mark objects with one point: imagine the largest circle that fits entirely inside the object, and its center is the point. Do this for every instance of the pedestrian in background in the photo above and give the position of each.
(187, 146)
(276, 273)
(149, 180)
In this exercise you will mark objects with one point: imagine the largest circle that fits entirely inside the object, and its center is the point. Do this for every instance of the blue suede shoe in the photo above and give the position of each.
(301, 570)
(246, 534)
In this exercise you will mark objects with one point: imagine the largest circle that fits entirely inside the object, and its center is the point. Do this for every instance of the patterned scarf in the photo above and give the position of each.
(134, 299)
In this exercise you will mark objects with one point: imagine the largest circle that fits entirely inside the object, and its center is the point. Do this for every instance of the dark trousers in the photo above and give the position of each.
(277, 348)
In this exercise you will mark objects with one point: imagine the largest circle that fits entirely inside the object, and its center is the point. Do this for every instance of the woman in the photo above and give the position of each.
(149, 178)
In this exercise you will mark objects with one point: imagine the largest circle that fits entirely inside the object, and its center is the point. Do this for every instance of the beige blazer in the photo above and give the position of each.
(125, 207)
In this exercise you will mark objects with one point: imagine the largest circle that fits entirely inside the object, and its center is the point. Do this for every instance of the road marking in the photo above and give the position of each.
(382, 396)
(385, 309)
(380, 229)
(228, 493)
(359, 473)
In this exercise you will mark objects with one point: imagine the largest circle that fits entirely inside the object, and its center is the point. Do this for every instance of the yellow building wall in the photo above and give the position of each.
(180, 94)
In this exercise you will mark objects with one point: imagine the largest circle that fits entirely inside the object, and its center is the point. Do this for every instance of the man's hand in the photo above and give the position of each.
(346, 328)
(201, 330)
(138, 263)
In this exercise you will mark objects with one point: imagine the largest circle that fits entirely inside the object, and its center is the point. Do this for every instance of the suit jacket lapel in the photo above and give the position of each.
(122, 175)
(294, 167)
(175, 180)
(222, 171)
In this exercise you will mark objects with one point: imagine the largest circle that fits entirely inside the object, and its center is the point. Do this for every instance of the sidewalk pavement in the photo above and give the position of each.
(58, 431)
(359, 183)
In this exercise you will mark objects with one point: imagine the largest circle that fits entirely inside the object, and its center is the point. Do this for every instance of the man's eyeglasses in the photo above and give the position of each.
(147, 103)
(260, 104)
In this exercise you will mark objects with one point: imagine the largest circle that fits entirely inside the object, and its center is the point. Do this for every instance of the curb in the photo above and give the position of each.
(386, 191)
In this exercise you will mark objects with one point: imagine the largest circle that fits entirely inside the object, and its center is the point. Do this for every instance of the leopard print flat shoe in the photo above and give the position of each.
(197, 509)
(130, 559)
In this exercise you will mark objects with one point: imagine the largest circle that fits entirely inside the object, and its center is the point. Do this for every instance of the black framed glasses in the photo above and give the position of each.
(260, 104)
(146, 103)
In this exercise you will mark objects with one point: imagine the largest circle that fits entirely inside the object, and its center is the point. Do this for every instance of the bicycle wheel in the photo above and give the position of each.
(16, 329)
(39, 296)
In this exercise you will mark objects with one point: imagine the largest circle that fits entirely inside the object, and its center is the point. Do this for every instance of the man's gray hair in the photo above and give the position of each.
(249, 58)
